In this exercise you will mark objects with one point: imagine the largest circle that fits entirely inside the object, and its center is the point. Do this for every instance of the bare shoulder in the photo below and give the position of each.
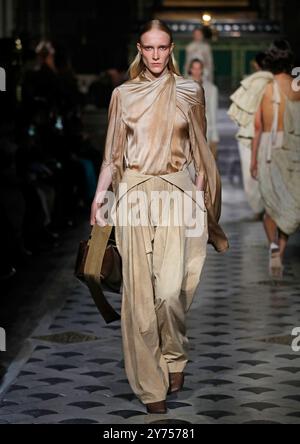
(268, 91)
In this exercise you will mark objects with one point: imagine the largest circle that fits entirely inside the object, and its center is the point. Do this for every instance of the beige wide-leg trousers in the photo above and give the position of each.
(161, 271)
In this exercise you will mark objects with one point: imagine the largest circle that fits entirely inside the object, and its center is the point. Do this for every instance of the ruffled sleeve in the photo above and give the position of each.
(205, 165)
(115, 139)
(245, 102)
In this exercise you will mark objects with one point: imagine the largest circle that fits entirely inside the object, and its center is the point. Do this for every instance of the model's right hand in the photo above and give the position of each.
(96, 216)
(104, 182)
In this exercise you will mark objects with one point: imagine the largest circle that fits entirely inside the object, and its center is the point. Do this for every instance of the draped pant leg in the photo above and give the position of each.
(175, 257)
(177, 265)
(156, 297)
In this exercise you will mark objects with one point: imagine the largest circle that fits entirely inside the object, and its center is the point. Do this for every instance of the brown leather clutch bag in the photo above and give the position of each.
(99, 265)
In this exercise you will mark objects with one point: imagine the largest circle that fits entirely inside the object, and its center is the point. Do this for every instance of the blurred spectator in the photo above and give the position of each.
(48, 165)
(100, 90)
(200, 49)
(197, 72)
(12, 205)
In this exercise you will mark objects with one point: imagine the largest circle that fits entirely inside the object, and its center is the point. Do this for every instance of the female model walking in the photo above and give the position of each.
(156, 142)
(276, 153)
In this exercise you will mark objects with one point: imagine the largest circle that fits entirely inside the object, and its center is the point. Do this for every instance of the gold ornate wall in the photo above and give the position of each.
(193, 9)
(206, 3)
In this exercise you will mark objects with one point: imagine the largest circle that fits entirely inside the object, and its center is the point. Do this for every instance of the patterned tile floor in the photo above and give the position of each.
(242, 368)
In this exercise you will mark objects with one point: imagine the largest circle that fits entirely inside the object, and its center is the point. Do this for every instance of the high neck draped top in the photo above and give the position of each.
(157, 126)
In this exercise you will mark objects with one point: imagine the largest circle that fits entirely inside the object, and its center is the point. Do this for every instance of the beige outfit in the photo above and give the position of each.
(245, 103)
(155, 141)
(279, 166)
(161, 271)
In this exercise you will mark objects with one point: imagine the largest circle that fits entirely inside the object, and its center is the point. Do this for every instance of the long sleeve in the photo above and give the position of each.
(198, 131)
(205, 164)
(115, 138)
(202, 51)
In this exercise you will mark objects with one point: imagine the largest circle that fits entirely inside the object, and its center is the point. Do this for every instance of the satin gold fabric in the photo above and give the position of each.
(158, 126)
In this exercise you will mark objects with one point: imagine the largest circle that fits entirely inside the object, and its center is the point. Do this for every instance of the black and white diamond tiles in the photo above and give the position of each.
(241, 370)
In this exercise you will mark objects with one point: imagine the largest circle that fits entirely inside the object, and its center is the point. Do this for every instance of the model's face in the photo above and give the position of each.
(156, 50)
(197, 71)
(198, 36)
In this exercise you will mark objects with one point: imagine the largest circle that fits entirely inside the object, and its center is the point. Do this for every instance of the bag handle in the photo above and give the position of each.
(92, 271)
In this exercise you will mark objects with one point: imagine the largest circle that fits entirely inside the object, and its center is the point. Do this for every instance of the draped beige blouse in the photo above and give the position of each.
(158, 126)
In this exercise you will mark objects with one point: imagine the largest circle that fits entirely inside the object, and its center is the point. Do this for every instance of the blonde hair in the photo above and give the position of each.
(137, 66)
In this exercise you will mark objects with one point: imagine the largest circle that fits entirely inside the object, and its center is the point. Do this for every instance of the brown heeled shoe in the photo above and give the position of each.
(157, 407)
(176, 382)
